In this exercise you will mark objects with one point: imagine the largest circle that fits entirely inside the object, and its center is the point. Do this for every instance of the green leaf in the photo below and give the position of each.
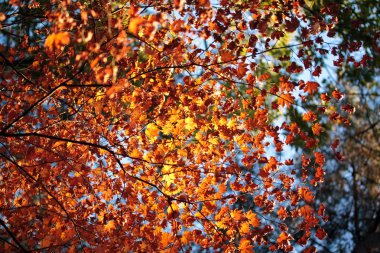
(310, 3)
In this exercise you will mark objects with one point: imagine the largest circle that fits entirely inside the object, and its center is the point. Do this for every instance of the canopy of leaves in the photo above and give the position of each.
(138, 125)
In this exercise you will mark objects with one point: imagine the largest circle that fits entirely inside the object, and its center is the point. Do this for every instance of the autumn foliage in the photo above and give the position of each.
(153, 126)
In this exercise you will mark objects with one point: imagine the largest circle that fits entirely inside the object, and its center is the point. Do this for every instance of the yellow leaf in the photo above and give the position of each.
(231, 124)
(134, 24)
(220, 224)
(222, 121)
(168, 128)
(214, 140)
(190, 124)
(236, 214)
(135, 153)
(152, 131)
(58, 143)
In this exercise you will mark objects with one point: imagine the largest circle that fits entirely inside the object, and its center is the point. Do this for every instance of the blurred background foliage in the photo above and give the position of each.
(351, 191)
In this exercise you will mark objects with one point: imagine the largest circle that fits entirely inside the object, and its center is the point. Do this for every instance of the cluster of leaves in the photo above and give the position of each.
(138, 125)
(351, 189)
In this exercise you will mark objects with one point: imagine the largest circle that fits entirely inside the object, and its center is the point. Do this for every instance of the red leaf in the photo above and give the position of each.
(325, 97)
(317, 71)
(335, 144)
(311, 249)
(321, 234)
(292, 24)
(348, 108)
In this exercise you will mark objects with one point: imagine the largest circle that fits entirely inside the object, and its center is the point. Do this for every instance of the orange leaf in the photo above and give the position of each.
(337, 94)
(317, 129)
(245, 246)
(110, 226)
(244, 228)
(319, 158)
(57, 40)
(264, 77)
(62, 38)
(204, 3)
(252, 218)
(282, 213)
(311, 87)
(284, 238)
(286, 100)
(310, 116)
(49, 42)
(306, 194)
(226, 56)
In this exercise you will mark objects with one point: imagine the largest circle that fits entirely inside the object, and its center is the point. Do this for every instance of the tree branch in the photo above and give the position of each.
(2, 223)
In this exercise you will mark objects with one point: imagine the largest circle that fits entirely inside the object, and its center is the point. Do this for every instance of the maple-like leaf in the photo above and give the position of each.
(264, 77)
(286, 100)
(190, 124)
(292, 24)
(282, 213)
(244, 228)
(226, 56)
(309, 116)
(284, 238)
(253, 219)
(348, 108)
(311, 87)
(245, 246)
